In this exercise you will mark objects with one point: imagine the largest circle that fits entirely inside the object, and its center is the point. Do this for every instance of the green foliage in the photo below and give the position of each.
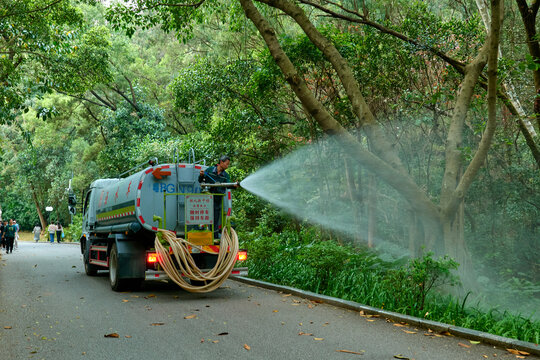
(325, 257)
(124, 130)
(412, 284)
(88, 60)
(17, 205)
(34, 36)
(73, 232)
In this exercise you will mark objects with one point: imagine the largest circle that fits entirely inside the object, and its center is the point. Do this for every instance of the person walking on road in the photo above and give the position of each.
(9, 236)
(52, 230)
(59, 232)
(2, 228)
(37, 232)
(16, 240)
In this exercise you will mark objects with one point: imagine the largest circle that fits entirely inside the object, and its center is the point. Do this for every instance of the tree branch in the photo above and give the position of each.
(31, 11)
(195, 6)
(134, 105)
(110, 105)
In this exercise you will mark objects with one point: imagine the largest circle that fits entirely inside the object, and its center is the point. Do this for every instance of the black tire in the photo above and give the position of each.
(118, 284)
(89, 269)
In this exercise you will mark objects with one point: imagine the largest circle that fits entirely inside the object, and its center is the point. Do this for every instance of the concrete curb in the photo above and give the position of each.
(468, 334)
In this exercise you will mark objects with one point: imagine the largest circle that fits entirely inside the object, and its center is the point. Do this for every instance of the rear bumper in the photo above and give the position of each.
(161, 275)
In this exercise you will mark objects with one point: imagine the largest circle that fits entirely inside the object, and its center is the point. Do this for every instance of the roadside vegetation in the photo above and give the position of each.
(421, 287)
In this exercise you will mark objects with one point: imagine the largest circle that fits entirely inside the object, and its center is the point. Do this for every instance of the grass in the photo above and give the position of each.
(29, 237)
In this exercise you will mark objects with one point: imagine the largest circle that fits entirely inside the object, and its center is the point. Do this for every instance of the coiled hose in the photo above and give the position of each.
(212, 279)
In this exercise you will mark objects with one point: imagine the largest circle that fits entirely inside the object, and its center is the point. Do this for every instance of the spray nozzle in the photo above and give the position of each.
(233, 185)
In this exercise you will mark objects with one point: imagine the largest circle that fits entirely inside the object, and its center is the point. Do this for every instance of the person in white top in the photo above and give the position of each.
(52, 230)
(16, 242)
(37, 232)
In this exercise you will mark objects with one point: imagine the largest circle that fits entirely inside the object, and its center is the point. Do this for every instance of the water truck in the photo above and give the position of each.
(158, 224)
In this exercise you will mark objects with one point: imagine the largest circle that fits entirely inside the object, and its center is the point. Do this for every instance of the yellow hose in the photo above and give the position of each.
(228, 251)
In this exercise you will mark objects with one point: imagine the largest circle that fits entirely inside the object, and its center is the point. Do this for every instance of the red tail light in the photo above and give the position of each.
(242, 255)
(151, 258)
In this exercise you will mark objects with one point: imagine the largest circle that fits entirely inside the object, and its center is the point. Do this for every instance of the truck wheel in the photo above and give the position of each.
(89, 269)
(118, 284)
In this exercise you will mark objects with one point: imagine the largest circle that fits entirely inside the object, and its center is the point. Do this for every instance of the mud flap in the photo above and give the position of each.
(131, 258)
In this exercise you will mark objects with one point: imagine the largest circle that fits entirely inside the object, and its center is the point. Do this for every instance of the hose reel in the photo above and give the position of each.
(185, 265)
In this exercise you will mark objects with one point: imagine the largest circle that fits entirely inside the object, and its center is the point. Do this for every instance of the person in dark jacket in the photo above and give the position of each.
(212, 175)
(59, 232)
(9, 236)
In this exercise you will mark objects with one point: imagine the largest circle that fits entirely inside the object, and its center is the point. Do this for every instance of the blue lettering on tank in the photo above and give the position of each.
(163, 187)
(185, 189)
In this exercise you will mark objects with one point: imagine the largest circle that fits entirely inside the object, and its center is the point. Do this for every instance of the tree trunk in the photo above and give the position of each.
(38, 207)
(356, 200)
(528, 15)
(372, 208)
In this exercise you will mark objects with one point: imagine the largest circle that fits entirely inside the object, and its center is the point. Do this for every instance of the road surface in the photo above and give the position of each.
(49, 309)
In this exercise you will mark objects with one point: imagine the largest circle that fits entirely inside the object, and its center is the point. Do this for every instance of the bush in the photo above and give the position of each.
(73, 232)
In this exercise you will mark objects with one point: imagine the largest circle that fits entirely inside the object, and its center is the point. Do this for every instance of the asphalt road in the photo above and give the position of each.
(49, 309)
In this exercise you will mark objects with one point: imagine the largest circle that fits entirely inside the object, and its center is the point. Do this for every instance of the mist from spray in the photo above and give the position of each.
(322, 183)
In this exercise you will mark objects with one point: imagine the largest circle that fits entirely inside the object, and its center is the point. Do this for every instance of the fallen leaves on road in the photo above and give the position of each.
(362, 313)
(464, 345)
(303, 333)
(247, 347)
(517, 352)
(351, 352)
(157, 324)
(223, 333)
(128, 336)
(401, 357)
(192, 316)
(125, 300)
(318, 339)
(432, 334)
(150, 296)
(112, 335)
(399, 325)
(7, 327)
(408, 331)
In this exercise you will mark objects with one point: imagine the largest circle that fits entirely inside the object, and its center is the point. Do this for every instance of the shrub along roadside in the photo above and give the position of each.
(300, 260)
